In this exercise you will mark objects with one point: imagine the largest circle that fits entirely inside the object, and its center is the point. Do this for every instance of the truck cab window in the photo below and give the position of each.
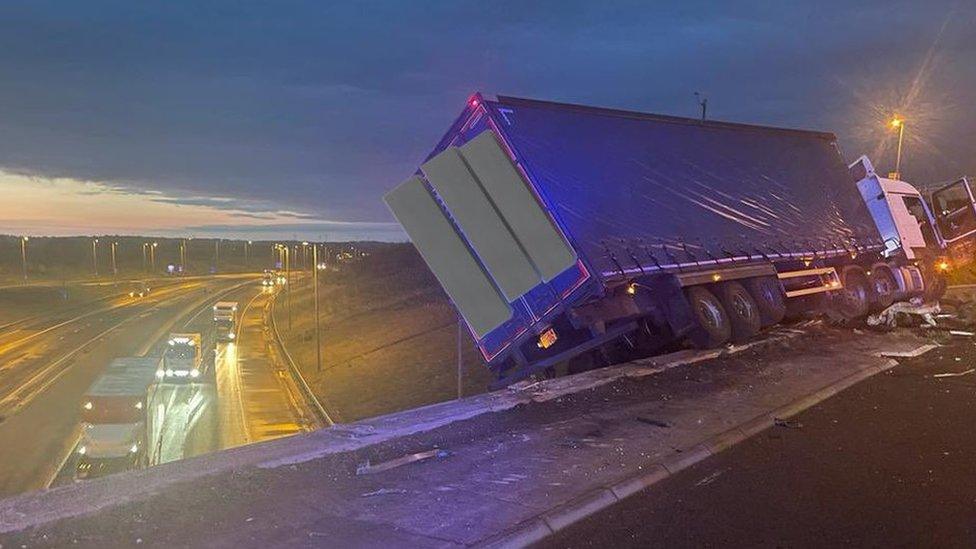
(915, 207)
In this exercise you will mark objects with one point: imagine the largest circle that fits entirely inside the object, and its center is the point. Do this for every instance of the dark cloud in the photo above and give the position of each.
(318, 107)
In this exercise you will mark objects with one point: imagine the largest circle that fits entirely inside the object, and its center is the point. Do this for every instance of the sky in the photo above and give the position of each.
(286, 118)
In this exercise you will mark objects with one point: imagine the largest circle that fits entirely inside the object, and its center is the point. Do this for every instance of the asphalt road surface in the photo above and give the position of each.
(245, 395)
(889, 462)
(46, 364)
(257, 395)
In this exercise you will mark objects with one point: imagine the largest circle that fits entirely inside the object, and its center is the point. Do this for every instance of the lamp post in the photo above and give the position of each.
(182, 255)
(898, 124)
(152, 256)
(288, 281)
(95, 256)
(216, 254)
(115, 268)
(315, 292)
(144, 245)
(23, 255)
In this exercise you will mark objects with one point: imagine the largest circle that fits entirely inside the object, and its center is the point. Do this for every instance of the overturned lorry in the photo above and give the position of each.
(567, 234)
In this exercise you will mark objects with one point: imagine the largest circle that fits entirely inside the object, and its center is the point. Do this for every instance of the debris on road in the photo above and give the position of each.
(384, 491)
(955, 374)
(367, 468)
(906, 313)
(788, 423)
(654, 422)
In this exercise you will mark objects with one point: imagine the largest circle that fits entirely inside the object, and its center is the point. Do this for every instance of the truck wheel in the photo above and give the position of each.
(768, 295)
(853, 300)
(712, 322)
(742, 309)
(883, 286)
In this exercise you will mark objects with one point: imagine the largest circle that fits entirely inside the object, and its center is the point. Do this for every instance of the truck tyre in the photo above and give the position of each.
(883, 287)
(853, 300)
(742, 309)
(712, 326)
(768, 295)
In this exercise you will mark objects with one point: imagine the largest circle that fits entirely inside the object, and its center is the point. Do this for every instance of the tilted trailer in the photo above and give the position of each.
(575, 235)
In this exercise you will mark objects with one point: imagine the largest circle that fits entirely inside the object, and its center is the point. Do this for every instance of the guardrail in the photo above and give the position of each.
(296, 372)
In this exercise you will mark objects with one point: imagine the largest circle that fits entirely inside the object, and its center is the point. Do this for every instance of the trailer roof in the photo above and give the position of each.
(128, 376)
(632, 190)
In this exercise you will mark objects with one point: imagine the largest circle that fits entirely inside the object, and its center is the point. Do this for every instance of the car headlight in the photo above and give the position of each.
(134, 448)
(231, 335)
(82, 450)
(194, 373)
(89, 405)
(160, 374)
(169, 372)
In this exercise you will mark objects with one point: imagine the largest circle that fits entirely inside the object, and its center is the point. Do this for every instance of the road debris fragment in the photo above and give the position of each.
(654, 422)
(955, 374)
(788, 423)
(906, 313)
(384, 491)
(367, 468)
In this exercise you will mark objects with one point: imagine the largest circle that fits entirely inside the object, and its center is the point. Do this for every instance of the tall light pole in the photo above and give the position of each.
(315, 292)
(305, 260)
(247, 254)
(95, 256)
(144, 244)
(288, 281)
(898, 124)
(115, 268)
(23, 255)
(182, 255)
(152, 256)
(216, 254)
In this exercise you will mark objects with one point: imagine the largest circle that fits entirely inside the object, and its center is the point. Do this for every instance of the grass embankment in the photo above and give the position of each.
(389, 336)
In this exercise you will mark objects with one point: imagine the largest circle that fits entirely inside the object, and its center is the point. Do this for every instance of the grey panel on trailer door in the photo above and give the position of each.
(501, 254)
(510, 193)
(447, 256)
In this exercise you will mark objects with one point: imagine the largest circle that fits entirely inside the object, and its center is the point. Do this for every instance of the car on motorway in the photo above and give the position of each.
(140, 290)
(109, 448)
(182, 359)
(268, 279)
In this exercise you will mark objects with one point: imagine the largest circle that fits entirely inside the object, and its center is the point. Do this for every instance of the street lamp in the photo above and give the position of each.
(898, 123)
(315, 291)
(152, 256)
(183, 255)
(23, 255)
(115, 269)
(247, 246)
(95, 256)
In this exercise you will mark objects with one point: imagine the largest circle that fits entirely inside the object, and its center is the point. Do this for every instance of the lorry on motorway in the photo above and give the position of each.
(116, 418)
(182, 358)
(225, 320)
(577, 236)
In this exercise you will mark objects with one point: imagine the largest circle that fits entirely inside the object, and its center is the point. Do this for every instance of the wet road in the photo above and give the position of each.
(889, 462)
(258, 398)
(46, 364)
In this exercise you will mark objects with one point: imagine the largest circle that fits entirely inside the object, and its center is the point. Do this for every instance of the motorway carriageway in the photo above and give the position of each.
(47, 364)
(247, 395)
